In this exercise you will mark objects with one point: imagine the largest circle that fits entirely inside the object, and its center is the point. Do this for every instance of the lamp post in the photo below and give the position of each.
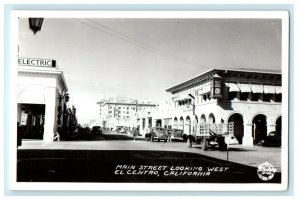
(35, 24)
(66, 97)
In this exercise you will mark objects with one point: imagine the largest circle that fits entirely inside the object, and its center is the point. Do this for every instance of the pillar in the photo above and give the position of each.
(248, 139)
(270, 128)
(50, 115)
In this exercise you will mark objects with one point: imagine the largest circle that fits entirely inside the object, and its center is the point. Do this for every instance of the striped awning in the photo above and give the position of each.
(204, 89)
(278, 89)
(182, 97)
(269, 89)
(256, 88)
(233, 87)
(245, 87)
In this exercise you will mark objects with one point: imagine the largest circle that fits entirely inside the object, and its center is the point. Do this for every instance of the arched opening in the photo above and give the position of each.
(187, 127)
(175, 122)
(278, 126)
(31, 121)
(211, 118)
(181, 123)
(259, 129)
(202, 118)
(238, 121)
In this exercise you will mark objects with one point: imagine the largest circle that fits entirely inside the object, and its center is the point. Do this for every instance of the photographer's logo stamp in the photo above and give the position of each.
(266, 171)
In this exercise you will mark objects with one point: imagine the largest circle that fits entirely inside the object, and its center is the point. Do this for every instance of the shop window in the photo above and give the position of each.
(232, 95)
(278, 97)
(244, 96)
(255, 96)
(267, 97)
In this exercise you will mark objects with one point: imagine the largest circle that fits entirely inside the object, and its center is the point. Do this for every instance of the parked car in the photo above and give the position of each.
(273, 139)
(176, 134)
(157, 133)
(97, 130)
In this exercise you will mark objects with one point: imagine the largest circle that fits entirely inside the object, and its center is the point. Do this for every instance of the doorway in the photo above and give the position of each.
(31, 121)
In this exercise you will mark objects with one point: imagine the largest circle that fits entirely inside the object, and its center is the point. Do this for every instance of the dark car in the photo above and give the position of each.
(273, 139)
(157, 133)
(176, 134)
(97, 130)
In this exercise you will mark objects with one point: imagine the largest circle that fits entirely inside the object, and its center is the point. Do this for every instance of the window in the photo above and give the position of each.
(267, 97)
(278, 97)
(232, 95)
(255, 96)
(110, 111)
(244, 96)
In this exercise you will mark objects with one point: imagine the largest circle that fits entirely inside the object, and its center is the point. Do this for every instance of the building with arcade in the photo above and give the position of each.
(250, 98)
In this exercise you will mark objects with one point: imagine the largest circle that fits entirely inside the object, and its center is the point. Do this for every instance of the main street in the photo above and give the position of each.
(115, 157)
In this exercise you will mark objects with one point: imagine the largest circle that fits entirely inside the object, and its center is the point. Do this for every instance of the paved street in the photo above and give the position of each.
(250, 156)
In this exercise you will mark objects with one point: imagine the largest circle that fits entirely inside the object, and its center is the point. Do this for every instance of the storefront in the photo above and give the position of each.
(250, 99)
(41, 97)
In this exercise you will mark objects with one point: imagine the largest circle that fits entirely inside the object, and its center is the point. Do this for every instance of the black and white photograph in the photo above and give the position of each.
(161, 100)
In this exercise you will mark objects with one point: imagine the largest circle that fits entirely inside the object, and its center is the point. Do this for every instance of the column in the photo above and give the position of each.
(248, 139)
(270, 128)
(50, 115)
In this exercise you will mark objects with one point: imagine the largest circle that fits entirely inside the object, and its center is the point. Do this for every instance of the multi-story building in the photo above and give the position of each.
(249, 98)
(124, 113)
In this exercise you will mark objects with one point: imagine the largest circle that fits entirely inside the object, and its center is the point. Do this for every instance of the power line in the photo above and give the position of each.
(135, 42)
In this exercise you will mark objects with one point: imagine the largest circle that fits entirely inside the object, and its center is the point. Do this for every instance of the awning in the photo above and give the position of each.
(233, 87)
(182, 97)
(256, 88)
(278, 89)
(245, 87)
(269, 89)
(204, 89)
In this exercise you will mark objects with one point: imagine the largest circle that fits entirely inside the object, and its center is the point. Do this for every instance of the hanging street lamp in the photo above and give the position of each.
(35, 24)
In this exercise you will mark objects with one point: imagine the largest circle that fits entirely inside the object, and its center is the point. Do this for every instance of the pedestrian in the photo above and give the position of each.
(57, 135)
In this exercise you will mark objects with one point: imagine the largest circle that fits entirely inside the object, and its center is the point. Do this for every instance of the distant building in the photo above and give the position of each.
(249, 98)
(123, 113)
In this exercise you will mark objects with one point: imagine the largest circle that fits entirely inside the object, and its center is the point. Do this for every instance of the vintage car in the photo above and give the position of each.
(273, 139)
(97, 130)
(176, 134)
(157, 133)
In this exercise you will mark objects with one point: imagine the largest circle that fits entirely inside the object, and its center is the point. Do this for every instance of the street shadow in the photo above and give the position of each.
(229, 149)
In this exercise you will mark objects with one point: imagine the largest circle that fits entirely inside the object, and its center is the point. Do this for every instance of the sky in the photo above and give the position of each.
(141, 58)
